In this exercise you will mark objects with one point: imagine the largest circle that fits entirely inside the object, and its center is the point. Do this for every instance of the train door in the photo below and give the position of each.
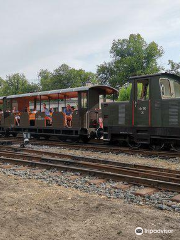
(141, 106)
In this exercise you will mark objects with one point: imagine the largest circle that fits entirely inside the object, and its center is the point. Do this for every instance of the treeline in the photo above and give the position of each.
(62, 77)
(129, 57)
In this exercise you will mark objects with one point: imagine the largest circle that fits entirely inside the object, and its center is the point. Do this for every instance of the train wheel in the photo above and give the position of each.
(62, 139)
(5, 134)
(85, 139)
(14, 134)
(132, 143)
(175, 147)
(37, 137)
(157, 147)
(47, 137)
(76, 140)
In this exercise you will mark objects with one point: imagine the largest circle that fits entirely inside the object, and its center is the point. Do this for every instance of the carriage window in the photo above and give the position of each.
(8, 105)
(169, 88)
(143, 90)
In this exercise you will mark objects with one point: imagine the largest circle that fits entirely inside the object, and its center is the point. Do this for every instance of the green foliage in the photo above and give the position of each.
(65, 77)
(130, 57)
(62, 77)
(17, 84)
(174, 67)
(45, 79)
(2, 82)
(125, 93)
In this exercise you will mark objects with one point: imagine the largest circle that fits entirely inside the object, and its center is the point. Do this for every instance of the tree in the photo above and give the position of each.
(2, 82)
(174, 67)
(17, 84)
(130, 57)
(45, 79)
(125, 92)
(65, 77)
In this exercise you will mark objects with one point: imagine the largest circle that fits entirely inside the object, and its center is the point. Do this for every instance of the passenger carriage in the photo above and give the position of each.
(86, 117)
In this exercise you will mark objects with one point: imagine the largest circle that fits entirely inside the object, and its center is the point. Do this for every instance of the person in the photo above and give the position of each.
(144, 91)
(51, 110)
(68, 115)
(17, 116)
(47, 113)
(34, 110)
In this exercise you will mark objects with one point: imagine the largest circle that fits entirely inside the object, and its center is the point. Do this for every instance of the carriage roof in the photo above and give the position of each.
(62, 93)
(165, 74)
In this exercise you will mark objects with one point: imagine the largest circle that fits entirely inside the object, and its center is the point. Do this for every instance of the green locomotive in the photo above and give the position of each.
(151, 116)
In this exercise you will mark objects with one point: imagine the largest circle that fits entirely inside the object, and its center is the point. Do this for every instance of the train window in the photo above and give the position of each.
(169, 88)
(8, 105)
(165, 88)
(84, 100)
(176, 89)
(143, 90)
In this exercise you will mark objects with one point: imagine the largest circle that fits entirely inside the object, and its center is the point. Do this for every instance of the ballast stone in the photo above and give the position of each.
(145, 191)
(176, 198)
(122, 186)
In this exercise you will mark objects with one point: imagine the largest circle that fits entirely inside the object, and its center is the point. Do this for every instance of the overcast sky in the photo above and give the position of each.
(40, 34)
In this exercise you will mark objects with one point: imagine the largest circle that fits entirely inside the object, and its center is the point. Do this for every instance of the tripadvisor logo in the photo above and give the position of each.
(139, 231)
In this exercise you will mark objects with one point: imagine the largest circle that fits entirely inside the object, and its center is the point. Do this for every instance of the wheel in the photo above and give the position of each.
(37, 137)
(47, 137)
(99, 133)
(157, 147)
(85, 139)
(175, 146)
(61, 139)
(14, 134)
(132, 143)
(76, 140)
(5, 134)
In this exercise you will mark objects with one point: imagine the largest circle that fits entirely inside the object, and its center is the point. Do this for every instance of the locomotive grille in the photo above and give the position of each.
(121, 114)
(173, 113)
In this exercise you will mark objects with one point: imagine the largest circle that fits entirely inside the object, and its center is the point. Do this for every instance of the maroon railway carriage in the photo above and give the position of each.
(86, 117)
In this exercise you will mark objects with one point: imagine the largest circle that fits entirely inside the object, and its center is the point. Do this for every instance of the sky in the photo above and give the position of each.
(43, 34)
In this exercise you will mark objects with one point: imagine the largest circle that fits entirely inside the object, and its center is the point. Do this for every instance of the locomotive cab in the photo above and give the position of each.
(151, 116)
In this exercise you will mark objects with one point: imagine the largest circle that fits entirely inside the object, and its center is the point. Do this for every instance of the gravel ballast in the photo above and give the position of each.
(32, 209)
(160, 200)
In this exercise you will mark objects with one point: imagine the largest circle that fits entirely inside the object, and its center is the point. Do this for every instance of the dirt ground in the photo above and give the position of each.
(31, 209)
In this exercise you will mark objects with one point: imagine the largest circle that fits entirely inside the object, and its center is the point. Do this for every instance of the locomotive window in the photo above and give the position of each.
(169, 88)
(143, 90)
(84, 100)
(165, 88)
(176, 89)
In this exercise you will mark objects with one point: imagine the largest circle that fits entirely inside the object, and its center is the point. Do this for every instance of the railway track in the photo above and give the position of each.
(93, 146)
(136, 174)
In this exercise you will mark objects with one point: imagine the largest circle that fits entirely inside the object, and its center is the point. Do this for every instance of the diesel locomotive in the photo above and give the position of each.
(151, 116)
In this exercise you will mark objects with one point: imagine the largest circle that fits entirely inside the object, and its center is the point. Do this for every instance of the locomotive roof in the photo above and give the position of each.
(60, 93)
(155, 75)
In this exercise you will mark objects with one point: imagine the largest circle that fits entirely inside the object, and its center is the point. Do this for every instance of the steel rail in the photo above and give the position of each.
(100, 148)
(135, 176)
